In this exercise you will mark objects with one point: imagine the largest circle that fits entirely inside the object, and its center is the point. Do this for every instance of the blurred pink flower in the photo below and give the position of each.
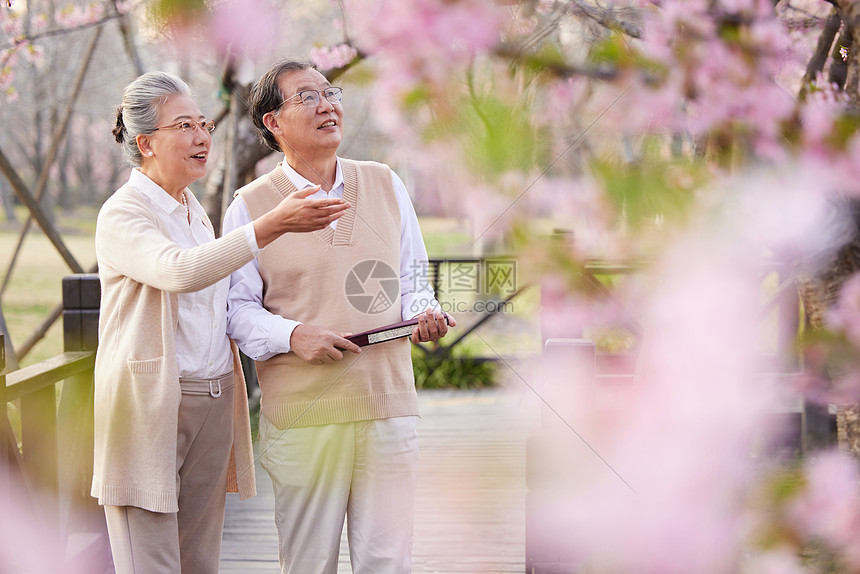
(819, 113)
(11, 24)
(739, 6)
(828, 510)
(561, 97)
(34, 53)
(563, 314)
(492, 212)
(331, 57)
(124, 6)
(74, 16)
(245, 27)
(845, 315)
(780, 560)
(852, 166)
(29, 542)
(662, 484)
(715, 83)
(7, 73)
(427, 37)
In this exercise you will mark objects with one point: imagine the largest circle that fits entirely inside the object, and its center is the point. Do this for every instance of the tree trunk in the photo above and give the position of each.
(7, 203)
(819, 291)
(236, 167)
(819, 287)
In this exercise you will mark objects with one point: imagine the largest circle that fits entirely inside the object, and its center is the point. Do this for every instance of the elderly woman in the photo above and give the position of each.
(171, 416)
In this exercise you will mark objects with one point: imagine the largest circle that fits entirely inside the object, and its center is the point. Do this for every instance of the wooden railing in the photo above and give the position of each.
(47, 460)
(50, 453)
(491, 280)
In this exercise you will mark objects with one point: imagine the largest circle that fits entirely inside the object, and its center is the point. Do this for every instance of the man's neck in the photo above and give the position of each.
(319, 171)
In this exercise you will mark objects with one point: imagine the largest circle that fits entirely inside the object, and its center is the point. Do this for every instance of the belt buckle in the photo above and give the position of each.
(215, 391)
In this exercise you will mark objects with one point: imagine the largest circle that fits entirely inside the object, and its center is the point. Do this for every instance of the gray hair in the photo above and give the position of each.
(266, 96)
(138, 113)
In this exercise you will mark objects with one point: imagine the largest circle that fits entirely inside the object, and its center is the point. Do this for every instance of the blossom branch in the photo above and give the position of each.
(822, 51)
(560, 69)
(58, 31)
(623, 19)
(849, 10)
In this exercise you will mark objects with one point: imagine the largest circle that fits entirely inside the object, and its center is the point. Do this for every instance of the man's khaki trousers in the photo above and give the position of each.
(365, 471)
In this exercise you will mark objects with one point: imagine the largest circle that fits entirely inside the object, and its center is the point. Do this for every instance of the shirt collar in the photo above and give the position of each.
(156, 194)
(300, 182)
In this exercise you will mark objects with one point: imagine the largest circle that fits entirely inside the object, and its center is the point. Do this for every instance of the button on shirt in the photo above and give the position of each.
(202, 346)
(264, 334)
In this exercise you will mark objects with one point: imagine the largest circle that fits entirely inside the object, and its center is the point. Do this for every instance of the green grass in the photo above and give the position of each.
(445, 237)
(35, 286)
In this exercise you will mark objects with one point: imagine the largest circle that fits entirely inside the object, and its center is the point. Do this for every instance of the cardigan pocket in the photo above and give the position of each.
(146, 366)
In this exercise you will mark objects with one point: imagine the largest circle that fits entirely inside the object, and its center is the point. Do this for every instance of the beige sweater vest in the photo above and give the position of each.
(340, 280)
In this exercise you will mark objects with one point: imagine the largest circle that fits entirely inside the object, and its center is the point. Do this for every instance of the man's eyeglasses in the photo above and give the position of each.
(311, 98)
(187, 126)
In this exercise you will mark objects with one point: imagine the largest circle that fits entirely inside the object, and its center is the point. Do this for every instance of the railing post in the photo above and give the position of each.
(5, 448)
(551, 455)
(39, 440)
(81, 297)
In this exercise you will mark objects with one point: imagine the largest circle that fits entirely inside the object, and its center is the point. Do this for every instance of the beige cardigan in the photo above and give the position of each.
(137, 390)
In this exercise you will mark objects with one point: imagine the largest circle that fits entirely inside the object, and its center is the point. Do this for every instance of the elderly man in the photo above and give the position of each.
(337, 435)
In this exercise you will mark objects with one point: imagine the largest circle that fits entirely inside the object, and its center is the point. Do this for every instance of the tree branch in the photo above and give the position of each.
(39, 214)
(822, 52)
(623, 19)
(849, 10)
(58, 32)
(56, 140)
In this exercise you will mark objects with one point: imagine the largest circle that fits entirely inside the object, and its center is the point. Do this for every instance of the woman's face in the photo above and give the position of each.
(178, 157)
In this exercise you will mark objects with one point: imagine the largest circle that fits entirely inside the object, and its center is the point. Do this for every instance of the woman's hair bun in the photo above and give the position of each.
(120, 126)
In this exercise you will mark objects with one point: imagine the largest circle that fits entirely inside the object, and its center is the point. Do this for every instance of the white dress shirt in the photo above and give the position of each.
(202, 347)
(261, 334)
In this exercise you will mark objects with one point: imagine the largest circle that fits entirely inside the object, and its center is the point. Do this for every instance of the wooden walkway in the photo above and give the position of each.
(470, 508)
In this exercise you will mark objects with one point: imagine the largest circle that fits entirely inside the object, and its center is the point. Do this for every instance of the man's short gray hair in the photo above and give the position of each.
(266, 96)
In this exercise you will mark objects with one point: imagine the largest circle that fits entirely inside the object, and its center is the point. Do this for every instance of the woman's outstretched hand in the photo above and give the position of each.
(298, 213)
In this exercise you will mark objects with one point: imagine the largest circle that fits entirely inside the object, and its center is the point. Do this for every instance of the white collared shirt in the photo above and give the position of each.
(202, 347)
(262, 335)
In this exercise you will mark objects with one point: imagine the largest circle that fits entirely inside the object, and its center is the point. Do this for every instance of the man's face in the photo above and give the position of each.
(307, 131)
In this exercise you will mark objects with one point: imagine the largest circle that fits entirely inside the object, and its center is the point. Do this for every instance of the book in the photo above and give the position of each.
(386, 333)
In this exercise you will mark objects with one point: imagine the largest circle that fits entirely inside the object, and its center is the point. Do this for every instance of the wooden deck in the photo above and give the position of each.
(470, 510)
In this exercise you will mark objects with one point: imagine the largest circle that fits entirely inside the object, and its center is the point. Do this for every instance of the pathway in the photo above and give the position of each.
(470, 507)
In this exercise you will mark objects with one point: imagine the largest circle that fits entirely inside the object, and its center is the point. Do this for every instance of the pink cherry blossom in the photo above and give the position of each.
(331, 57)
(845, 315)
(819, 115)
(781, 560)
(829, 508)
(426, 36)
(74, 16)
(30, 542)
(245, 27)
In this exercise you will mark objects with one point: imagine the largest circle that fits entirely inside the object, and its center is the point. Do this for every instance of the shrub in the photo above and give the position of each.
(461, 371)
